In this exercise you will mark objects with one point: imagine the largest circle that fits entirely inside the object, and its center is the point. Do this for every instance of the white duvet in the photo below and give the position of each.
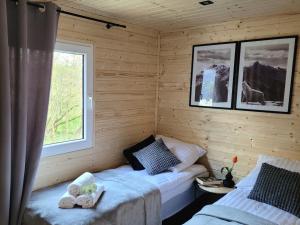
(170, 184)
(238, 199)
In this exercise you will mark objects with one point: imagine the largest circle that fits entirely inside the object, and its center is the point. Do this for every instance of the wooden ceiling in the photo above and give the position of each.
(165, 15)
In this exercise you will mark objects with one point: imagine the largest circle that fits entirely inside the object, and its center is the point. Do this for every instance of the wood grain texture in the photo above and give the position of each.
(125, 80)
(225, 133)
(168, 15)
(130, 100)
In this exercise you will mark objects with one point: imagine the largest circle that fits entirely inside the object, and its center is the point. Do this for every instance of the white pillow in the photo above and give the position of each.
(188, 154)
(249, 181)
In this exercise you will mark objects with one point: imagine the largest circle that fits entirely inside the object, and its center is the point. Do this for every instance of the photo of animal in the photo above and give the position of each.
(265, 74)
(252, 95)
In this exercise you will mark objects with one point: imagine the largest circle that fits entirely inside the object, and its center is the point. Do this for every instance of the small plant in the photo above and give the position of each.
(228, 181)
(88, 189)
(229, 170)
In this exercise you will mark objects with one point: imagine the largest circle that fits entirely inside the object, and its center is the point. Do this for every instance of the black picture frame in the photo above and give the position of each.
(263, 100)
(232, 46)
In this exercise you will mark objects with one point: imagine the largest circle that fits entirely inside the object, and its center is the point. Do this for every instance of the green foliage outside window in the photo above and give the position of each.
(65, 111)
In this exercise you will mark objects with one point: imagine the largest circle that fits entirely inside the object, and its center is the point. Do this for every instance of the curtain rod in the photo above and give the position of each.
(108, 24)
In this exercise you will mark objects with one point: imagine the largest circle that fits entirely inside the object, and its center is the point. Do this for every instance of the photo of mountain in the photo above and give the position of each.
(219, 89)
(265, 74)
(212, 75)
(264, 77)
(268, 80)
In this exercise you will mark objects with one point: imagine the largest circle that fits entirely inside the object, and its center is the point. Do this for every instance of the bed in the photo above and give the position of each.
(176, 189)
(173, 191)
(238, 199)
(236, 207)
(237, 203)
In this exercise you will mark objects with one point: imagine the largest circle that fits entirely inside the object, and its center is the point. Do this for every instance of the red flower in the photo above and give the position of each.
(234, 159)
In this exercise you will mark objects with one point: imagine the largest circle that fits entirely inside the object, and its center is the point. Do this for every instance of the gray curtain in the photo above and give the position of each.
(27, 39)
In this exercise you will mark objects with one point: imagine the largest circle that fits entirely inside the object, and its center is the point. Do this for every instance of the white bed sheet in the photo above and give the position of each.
(170, 184)
(238, 199)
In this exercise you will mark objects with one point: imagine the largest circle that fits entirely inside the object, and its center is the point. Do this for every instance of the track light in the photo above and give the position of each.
(207, 2)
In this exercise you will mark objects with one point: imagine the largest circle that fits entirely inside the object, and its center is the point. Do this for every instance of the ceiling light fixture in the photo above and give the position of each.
(207, 2)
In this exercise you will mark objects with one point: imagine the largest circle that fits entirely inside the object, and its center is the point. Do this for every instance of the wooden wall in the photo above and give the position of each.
(125, 78)
(225, 133)
(129, 107)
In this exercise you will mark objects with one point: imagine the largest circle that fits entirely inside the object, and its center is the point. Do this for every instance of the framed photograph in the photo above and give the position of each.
(265, 76)
(212, 75)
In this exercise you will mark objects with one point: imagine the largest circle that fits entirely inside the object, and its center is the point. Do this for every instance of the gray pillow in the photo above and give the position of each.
(156, 157)
(278, 187)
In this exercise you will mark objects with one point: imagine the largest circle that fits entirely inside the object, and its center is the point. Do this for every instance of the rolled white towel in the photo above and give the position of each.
(84, 179)
(89, 200)
(67, 201)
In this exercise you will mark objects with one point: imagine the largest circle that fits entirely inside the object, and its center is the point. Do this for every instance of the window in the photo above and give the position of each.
(70, 112)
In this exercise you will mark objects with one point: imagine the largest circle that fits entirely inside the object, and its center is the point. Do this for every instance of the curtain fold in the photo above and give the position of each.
(27, 43)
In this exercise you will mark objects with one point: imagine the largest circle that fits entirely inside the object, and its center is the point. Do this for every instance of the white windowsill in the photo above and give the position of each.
(65, 147)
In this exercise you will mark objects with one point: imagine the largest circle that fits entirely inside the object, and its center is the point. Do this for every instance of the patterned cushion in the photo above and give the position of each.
(278, 187)
(156, 157)
(128, 153)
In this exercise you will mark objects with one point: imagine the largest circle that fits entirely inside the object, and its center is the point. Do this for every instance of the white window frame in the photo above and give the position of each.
(88, 113)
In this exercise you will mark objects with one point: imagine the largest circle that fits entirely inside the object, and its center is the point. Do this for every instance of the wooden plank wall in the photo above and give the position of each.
(127, 99)
(225, 133)
(125, 77)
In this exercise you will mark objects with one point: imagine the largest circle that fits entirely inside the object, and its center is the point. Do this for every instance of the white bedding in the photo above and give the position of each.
(238, 199)
(170, 184)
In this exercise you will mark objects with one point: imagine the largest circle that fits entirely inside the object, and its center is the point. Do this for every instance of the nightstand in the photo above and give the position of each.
(215, 190)
(212, 193)
(203, 196)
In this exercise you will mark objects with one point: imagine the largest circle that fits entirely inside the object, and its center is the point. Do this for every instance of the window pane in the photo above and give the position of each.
(65, 112)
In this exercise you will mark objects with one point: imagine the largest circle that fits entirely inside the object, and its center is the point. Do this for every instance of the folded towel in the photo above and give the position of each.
(67, 201)
(85, 179)
(89, 200)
